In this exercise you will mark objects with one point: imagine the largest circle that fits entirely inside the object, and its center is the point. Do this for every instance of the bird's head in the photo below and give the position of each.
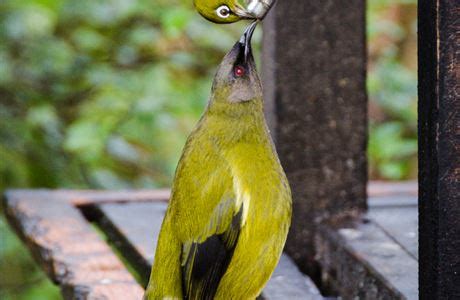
(236, 79)
(229, 11)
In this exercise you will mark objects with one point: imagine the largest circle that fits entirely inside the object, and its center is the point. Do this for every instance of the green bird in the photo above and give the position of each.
(230, 208)
(230, 11)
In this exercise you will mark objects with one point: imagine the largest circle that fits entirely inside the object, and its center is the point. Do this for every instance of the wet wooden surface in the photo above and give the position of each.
(69, 232)
(67, 247)
(400, 222)
(374, 256)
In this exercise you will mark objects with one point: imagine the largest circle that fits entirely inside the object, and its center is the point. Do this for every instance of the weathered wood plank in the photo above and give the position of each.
(53, 228)
(134, 229)
(138, 224)
(320, 118)
(142, 230)
(287, 282)
(361, 261)
(400, 223)
(439, 148)
(68, 249)
(87, 197)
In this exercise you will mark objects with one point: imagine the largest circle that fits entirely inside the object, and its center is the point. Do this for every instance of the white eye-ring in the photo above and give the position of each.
(223, 11)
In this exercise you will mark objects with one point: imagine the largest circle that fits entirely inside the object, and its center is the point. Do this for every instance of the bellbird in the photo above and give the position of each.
(230, 208)
(230, 11)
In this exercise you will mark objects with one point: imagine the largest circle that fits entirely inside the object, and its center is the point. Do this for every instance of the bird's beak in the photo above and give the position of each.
(254, 9)
(245, 39)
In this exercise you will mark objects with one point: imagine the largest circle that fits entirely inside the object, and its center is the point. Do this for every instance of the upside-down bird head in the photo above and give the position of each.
(230, 11)
(236, 79)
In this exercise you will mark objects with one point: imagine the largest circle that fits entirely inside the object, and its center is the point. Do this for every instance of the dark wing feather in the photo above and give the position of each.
(207, 262)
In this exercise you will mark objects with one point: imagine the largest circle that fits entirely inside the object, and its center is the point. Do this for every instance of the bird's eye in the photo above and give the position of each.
(223, 11)
(239, 71)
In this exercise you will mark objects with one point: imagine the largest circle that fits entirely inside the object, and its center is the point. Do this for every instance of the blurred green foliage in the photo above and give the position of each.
(102, 94)
(392, 87)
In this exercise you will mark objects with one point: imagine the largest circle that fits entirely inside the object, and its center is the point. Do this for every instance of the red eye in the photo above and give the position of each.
(239, 71)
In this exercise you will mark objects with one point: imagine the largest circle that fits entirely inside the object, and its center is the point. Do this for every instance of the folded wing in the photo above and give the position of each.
(205, 263)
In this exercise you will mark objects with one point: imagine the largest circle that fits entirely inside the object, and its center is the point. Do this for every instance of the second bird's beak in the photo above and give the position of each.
(254, 9)
(245, 39)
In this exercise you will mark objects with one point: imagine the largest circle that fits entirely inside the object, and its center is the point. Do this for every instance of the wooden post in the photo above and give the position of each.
(439, 149)
(314, 55)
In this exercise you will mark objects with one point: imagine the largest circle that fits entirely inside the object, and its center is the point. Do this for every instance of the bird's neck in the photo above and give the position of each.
(237, 122)
(237, 110)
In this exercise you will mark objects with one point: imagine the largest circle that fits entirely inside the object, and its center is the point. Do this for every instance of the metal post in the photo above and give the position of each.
(439, 149)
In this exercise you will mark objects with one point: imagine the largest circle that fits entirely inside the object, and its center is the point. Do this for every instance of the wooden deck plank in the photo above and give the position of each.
(68, 249)
(400, 223)
(288, 283)
(361, 261)
(380, 252)
(373, 260)
(143, 230)
(140, 233)
(386, 257)
(88, 197)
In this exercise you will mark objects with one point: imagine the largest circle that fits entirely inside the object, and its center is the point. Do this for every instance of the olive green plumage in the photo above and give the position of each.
(229, 214)
(230, 11)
